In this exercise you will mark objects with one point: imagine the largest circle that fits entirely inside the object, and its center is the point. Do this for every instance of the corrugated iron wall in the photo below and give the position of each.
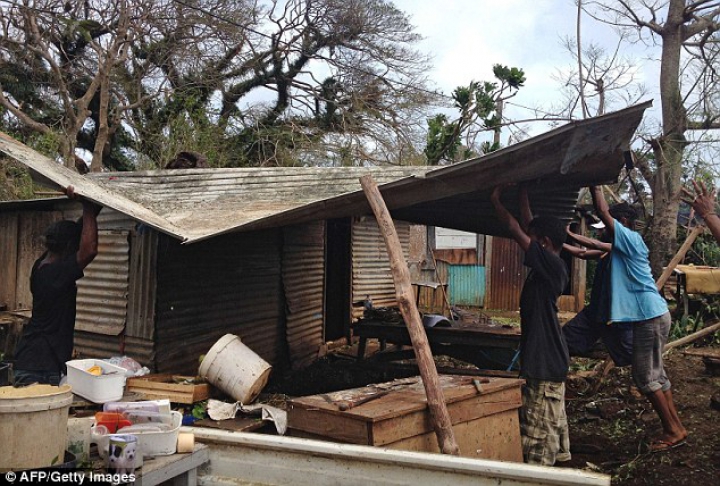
(371, 273)
(229, 284)
(103, 291)
(116, 297)
(303, 272)
(466, 285)
(507, 273)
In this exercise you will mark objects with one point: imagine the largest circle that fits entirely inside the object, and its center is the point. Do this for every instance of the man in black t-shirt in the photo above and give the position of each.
(543, 353)
(46, 342)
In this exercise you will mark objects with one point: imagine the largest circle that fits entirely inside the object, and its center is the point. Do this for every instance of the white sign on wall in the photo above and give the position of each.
(446, 238)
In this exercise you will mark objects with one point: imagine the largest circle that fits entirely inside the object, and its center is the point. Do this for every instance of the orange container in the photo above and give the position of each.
(112, 421)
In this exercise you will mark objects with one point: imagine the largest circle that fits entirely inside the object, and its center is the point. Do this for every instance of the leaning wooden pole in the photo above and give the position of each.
(404, 293)
(697, 231)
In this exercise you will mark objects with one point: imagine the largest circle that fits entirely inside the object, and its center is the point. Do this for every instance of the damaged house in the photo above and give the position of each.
(277, 256)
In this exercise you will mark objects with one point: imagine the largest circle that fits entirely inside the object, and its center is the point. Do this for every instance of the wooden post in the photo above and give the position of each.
(442, 287)
(679, 256)
(406, 301)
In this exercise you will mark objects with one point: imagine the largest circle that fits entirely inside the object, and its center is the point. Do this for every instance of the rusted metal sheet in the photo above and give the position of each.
(303, 271)
(458, 256)
(230, 284)
(371, 275)
(9, 233)
(466, 285)
(103, 292)
(507, 274)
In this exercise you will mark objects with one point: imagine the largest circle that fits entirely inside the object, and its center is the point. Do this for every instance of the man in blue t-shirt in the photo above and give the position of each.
(544, 356)
(592, 323)
(635, 299)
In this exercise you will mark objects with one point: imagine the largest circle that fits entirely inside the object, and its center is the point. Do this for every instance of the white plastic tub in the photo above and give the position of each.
(108, 387)
(149, 443)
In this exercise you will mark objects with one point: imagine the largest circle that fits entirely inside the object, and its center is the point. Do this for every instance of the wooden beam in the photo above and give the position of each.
(406, 301)
(693, 337)
(697, 231)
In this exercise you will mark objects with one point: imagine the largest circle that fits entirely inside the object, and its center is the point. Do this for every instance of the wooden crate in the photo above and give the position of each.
(155, 387)
(486, 424)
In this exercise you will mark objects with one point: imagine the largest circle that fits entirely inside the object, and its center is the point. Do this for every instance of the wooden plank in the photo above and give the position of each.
(470, 336)
(416, 423)
(159, 469)
(236, 424)
(8, 259)
(30, 247)
(163, 386)
(336, 427)
(409, 397)
(496, 438)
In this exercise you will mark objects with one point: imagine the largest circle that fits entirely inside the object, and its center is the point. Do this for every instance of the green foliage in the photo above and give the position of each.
(199, 410)
(514, 77)
(15, 182)
(442, 139)
(193, 131)
(477, 104)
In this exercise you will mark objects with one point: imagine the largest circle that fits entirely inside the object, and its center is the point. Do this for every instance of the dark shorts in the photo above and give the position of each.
(581, 334)
(28, 377)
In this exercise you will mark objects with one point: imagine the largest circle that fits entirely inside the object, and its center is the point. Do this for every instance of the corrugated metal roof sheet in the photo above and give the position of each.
(195, 204)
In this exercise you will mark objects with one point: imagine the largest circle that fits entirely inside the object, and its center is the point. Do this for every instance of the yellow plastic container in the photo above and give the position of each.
(33, 426)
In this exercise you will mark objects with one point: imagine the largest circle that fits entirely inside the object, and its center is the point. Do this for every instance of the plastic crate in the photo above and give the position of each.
(108, 387)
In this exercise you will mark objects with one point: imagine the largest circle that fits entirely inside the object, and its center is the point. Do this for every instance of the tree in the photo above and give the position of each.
(247, 83)
(57, 66)
(480, 110)
(688, 38)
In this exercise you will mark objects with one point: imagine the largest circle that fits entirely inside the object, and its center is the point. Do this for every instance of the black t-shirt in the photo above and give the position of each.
(47, 341)
(544, 353)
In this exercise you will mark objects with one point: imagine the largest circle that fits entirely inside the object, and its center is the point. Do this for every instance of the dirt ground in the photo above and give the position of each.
(610, 428)
(611, 425)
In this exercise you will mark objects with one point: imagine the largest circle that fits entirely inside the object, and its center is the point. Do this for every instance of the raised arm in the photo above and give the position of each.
(89, 237)
(509, 221)
(603, 210)
(583, 253)
(525, 211)
(703, 202)
(590, 243)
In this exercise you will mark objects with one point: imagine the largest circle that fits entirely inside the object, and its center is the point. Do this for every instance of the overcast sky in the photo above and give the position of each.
(467, 37)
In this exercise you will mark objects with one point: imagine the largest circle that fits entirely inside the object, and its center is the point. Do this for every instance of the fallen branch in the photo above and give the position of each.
(693, 337)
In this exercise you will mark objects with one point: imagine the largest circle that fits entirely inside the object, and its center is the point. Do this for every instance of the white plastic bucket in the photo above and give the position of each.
(33, 426)
(235, 369)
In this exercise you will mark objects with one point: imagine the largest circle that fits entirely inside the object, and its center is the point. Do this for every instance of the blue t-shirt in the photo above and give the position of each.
(634, 296)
